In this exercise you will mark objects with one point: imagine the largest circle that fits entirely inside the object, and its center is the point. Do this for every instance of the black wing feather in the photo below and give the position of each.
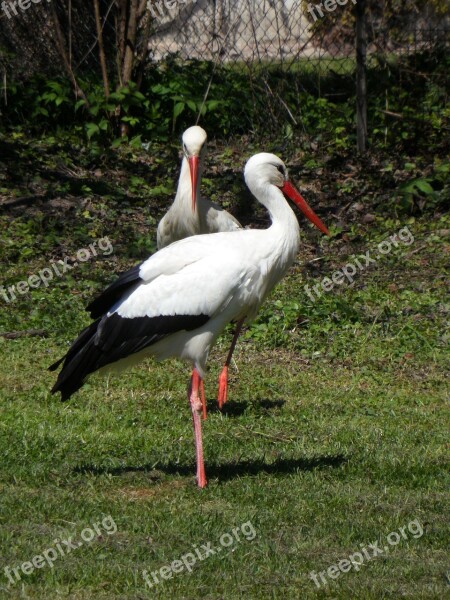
(77, 345)
(113, 338)
(114, 292)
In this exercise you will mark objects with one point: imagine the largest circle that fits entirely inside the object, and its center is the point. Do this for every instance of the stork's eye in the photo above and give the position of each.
(280, 169)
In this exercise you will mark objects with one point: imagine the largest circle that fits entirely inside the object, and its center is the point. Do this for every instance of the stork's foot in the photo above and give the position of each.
(223, 387)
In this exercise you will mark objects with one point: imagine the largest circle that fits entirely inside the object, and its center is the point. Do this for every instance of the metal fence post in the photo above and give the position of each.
(361, 79)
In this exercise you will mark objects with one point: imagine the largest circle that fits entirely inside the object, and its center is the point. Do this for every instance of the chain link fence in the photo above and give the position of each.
(253, 32)
(56, 36)
(264, 31)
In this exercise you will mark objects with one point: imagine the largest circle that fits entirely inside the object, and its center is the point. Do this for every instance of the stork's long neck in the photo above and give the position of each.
(184, 192)
(284, 233)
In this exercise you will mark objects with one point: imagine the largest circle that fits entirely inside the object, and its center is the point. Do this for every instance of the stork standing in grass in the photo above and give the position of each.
(191, 214)
(178, 302)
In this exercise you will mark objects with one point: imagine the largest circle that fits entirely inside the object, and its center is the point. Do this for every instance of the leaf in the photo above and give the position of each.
(92, 129)
(178, 109)
(408, 188)
(54, 85)
(131, 120)
(213, 104)
(160, 89)
(424, 186)
(117, 96)
(48, 96)
(103, 125)
(160, 190)
(136, 142)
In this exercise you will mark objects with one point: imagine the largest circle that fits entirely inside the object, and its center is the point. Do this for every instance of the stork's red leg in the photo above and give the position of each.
(203, 398)
(197, 409)
(223, 379)
(223, 387)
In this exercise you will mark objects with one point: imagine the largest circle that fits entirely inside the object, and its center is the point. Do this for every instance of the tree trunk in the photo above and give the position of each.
(145, 26)
(60, 42)
(101, 48)
(130, 13)
(130, 43)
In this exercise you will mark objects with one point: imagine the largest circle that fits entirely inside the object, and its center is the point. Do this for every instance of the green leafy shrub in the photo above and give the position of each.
(305, 106)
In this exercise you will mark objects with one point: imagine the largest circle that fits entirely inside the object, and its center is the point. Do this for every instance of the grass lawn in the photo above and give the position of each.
(332, 444)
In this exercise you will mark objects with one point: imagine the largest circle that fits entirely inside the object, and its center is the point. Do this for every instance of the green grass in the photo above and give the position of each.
(323, 66)
(333, 438)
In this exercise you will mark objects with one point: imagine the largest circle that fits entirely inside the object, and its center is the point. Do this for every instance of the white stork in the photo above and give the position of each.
(177, 302)
(191, 214)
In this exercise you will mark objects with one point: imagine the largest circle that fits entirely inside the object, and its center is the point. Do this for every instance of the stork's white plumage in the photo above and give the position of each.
(178, 302)
(190, 213)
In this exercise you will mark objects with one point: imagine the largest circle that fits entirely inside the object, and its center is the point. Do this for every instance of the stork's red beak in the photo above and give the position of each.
(289, 190)
(194, 164)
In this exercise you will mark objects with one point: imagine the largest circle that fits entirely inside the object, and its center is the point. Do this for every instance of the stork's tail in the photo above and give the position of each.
(81, 360)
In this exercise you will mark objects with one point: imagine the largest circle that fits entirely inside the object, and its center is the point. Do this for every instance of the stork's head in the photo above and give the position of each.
(264, 169)
(194, 148)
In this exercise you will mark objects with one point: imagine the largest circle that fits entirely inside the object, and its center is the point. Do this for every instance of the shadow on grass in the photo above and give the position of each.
(236, 409)
(226, 471)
